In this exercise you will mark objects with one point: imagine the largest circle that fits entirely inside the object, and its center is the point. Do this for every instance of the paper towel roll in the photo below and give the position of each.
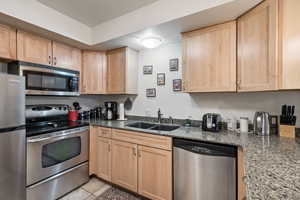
(121, 112)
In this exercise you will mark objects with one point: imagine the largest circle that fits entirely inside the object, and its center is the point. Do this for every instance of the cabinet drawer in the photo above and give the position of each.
(161, 142)
(104, 132)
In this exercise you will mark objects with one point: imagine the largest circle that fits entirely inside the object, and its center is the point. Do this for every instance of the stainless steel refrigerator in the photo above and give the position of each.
(12, 138)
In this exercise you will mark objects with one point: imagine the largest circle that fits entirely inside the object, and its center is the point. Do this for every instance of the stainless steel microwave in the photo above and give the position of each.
(47, 80)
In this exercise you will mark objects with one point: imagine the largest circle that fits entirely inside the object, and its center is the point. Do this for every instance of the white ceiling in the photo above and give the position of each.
(170, 32)
(94, 12)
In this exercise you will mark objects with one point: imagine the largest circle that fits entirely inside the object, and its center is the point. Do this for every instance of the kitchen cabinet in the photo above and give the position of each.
(209, 59)
(93, 150)
(67, 57)
(103, 158)
(122, 67)
(124, 165)
(289, 44)
(257, 48)
(34, 49)
(139, 162)
(93, 72)
(155, 173)
(8, 42)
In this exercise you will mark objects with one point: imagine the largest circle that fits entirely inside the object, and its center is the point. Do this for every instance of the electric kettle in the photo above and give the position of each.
(261, 123)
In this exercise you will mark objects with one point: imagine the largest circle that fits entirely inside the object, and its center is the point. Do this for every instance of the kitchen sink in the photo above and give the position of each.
(142, 125)
(152, 126)
(165, 127)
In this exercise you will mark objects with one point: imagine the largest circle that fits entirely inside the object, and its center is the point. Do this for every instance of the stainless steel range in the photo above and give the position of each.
(57, 152)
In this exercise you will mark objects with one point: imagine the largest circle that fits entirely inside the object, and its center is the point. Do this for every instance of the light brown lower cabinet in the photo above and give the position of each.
(124, 165)
(146, 170)
(103, 158)
(155, 173)
(93, 150)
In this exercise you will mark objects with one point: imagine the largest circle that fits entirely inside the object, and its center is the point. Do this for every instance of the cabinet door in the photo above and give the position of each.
(76, 59)
(65, 56)
(8, 42)
(155, 173)
(209, 59)
(289, 40)
(94, 72)
(124, 165)
(93, 150)
(34, 49)
(116, 69)
(257, 48)
(103, 158)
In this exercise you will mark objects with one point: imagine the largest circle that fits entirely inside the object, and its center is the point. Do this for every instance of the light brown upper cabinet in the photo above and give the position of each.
(93, 73)
(34, 49)
(289, 44)
(257, 48)
(122, 67)
(67, 57)
(8, 43)
(209, 59)
(155, 173)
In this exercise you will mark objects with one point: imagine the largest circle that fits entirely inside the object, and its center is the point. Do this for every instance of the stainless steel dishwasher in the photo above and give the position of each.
(204, 171)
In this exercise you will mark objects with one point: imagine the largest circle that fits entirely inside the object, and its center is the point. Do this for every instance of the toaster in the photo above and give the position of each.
(211, 122)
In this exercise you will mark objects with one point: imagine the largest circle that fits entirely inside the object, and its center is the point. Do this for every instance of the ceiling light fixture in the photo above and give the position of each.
(151, 42)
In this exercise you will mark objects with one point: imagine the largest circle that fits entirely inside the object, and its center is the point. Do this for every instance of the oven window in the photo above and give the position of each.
(60, 151)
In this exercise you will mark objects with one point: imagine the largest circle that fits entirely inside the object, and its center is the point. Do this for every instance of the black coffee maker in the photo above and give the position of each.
(111, 110)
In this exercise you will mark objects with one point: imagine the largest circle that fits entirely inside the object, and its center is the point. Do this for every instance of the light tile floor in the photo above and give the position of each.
(94, 188)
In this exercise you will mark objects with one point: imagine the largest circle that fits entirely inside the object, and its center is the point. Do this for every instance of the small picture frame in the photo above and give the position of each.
(161, 79)
(148, 69)
(173, 64)
(151, 92)
(177, 85)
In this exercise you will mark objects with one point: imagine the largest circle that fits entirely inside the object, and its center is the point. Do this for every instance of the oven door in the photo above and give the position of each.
(52, 153)
(44, 81)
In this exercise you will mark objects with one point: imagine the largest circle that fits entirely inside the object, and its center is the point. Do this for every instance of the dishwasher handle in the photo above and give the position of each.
(206, 148)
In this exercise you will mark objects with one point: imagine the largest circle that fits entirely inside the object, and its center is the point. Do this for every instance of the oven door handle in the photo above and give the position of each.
(62, 135)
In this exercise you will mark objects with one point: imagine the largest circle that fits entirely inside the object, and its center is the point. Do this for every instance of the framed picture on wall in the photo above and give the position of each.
(161, 79)
(173, 64)
(151, 92)
(177, 85)
(148, 69)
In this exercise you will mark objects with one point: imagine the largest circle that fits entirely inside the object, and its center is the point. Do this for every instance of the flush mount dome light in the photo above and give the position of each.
(151, 42)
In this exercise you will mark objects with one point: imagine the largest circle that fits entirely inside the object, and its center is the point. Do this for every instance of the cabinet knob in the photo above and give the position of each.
(134, 151)
(109, 148)
(49, 60)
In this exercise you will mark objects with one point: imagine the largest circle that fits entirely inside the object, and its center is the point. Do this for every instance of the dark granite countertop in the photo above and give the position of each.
(272, 164)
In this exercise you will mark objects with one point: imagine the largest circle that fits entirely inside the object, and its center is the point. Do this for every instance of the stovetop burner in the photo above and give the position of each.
(37, 128)
(47, 118)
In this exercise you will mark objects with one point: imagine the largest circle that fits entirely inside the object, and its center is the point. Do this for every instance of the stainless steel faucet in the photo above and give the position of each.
(171, 120)
(159, 116)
